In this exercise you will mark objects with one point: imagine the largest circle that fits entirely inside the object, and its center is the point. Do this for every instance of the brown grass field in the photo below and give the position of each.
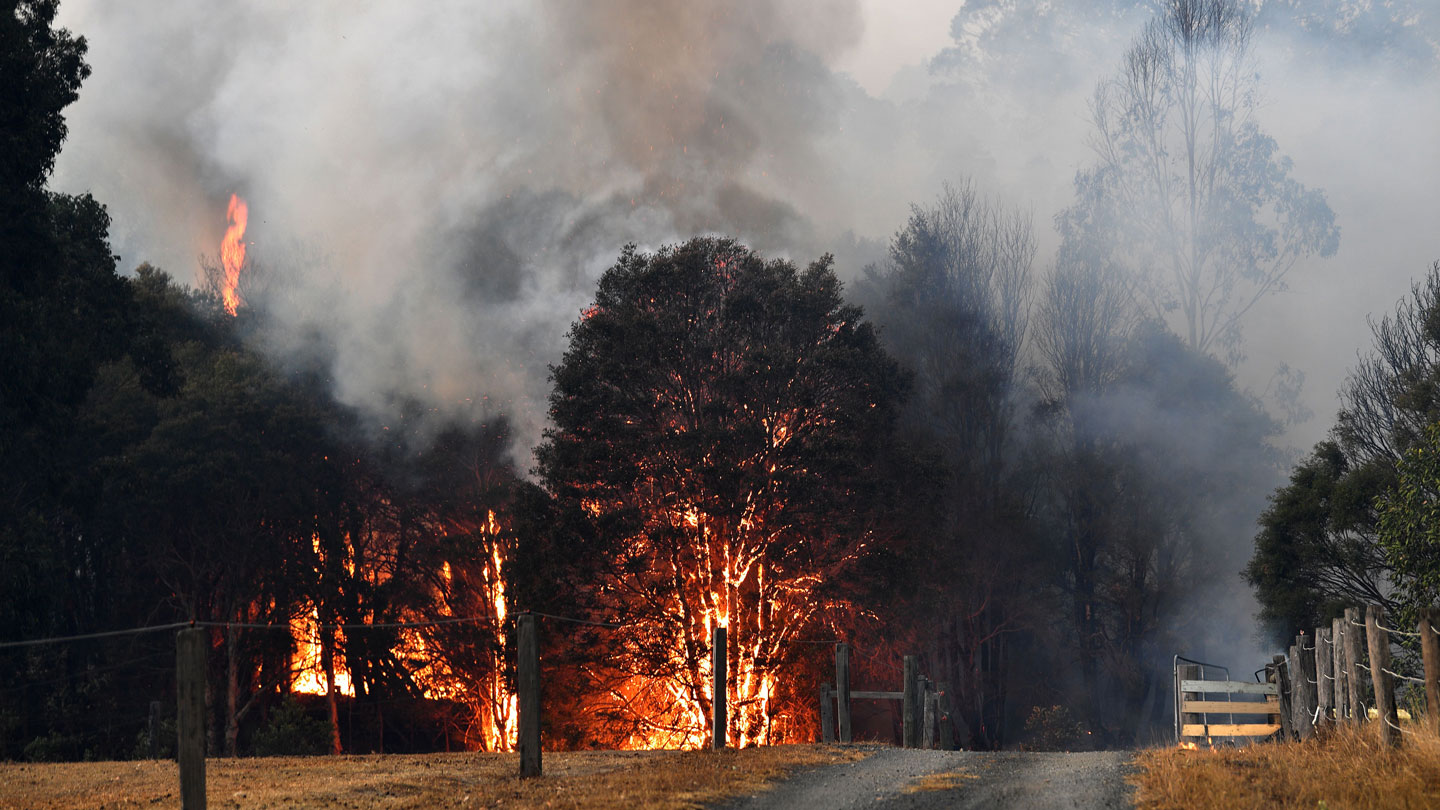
(1348, 768)
(598, 779)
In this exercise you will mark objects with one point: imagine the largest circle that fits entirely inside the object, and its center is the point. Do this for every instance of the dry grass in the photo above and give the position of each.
(1347, 768)
(592, 779)
(947, 780)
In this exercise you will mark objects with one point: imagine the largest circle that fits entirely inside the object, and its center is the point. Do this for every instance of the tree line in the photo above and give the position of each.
(1043, 481)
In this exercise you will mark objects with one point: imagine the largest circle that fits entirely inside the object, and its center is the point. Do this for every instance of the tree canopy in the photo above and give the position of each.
(1349, 526)
(1188, 195)
(952, 302)
(720, 415)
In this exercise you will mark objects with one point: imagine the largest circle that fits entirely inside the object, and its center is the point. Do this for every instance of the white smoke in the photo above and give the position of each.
(439, 185)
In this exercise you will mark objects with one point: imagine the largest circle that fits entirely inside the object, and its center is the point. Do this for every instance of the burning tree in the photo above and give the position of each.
(719, 418)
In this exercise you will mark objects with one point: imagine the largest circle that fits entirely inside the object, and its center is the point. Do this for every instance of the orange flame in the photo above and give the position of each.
(305, 662)
(232, 251)
(493, 703)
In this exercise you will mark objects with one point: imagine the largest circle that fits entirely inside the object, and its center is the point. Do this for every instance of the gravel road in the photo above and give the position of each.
(894, 778)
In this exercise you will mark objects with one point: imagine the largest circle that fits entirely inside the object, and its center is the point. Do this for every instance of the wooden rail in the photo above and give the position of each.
(1270, 706)
(1196, 712)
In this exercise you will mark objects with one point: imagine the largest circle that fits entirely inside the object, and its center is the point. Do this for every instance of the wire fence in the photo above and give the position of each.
(1322, 678)
(110, 694)
(109, 679)
(288, 626)
(1342, 632)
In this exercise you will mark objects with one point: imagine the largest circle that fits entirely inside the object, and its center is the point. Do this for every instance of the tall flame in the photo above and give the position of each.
(306, 660)
(232, 251)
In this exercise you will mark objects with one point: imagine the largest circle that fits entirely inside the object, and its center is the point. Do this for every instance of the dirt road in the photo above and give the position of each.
(894, 778)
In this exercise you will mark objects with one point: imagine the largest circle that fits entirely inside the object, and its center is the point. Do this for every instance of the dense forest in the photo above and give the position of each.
(1041, 476)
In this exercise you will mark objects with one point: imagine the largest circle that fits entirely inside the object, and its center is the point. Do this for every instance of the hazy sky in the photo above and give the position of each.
(435, 187)
(896, 35)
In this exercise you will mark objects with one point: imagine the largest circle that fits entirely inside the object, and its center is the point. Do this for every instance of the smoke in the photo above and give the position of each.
(438, 191)
(434, 191)
(434, 194)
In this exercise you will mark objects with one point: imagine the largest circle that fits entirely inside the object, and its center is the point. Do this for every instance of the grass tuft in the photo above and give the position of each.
(948, 780)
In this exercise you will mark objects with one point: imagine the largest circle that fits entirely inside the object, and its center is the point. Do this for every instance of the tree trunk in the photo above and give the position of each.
(232, 691)
(212, 728)
(327, 660)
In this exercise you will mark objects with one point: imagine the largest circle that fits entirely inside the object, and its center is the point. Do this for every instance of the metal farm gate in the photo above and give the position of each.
(1207, 708)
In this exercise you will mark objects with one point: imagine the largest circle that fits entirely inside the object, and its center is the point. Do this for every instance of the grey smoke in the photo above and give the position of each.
(434, 188)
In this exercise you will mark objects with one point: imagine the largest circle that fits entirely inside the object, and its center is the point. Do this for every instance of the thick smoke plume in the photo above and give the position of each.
(434, 193)
(435, 188)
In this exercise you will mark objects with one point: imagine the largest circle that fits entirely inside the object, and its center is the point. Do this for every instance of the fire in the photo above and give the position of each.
(232, 251)
(478, 589)
(717, 576)
(499, 705)
(1189, 746)
(306, 659)
(494, 705)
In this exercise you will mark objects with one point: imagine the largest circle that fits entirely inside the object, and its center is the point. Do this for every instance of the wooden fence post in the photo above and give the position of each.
(1282, 682)
(1309, 684)
(527, 682)
(1324, 676)
(927, 722)
(1430, 653)
(1379, 643)
(1185, 672)
(720, 722)
(1352, 665)
(909, 733)
(1297, 698)
(942, 711)
(842, 691)
(1341, 685)
(190, 646)
(1302, 691)
(1272, 676)
(827, 713)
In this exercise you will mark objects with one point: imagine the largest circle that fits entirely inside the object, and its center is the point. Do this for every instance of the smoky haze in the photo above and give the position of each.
(435, 188)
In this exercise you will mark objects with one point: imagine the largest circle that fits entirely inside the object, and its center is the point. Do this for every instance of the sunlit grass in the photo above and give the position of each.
(585, 779)
(1342, 769)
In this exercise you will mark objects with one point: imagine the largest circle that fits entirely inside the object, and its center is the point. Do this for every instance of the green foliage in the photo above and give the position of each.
(165, 740)
(41, 69)
(1053, 728)
(291, 732)
(694, 359)
(1322, 546)
(157, 468)
(65, 316)
(53, 747)
(1314, 555)
(1410, 528)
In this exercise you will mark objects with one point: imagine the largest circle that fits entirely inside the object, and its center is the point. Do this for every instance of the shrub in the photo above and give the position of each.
(1052, 728)
(291, 732)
